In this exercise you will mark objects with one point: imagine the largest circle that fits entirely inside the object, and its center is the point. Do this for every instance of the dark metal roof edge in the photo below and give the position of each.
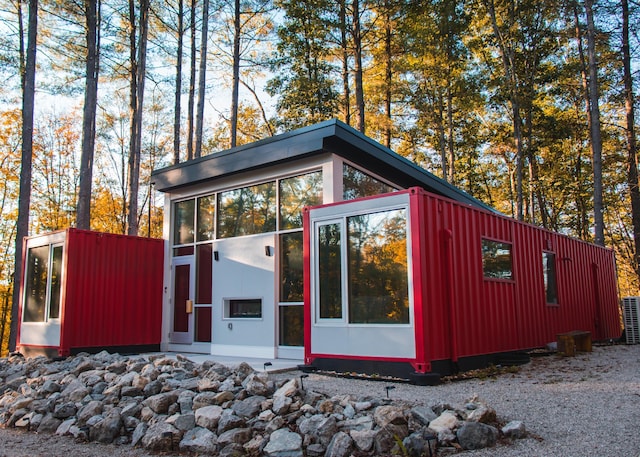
(195, 170)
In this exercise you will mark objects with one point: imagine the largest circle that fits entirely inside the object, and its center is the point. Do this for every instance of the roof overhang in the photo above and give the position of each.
(329, 136)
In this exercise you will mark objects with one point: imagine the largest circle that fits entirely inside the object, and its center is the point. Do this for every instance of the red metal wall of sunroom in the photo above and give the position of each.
(110, 295)
(464, 320)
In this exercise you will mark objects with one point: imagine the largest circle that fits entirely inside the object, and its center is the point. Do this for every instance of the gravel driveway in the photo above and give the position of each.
(583, 406)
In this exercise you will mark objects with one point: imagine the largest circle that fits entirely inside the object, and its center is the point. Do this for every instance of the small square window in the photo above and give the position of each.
(243, 308)
(496, 260)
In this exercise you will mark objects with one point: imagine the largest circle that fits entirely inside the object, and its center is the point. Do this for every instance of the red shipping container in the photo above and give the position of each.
(89, 291)
(462, 317)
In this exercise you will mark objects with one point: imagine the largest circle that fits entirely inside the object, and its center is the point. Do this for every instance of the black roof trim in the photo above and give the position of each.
(329, 136)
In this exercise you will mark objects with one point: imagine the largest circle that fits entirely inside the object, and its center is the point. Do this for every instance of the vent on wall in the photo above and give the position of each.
(631, 310)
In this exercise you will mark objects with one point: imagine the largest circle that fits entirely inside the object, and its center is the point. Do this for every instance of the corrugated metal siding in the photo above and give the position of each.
(113, 290)
(484, 316)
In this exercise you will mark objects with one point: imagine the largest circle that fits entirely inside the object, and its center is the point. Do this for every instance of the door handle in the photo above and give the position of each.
(189, 306)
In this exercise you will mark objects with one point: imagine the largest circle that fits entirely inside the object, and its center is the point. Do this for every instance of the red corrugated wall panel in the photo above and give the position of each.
(113, 290)
(467, 314)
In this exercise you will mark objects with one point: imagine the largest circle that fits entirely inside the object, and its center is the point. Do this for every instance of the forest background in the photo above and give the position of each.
(528, 105)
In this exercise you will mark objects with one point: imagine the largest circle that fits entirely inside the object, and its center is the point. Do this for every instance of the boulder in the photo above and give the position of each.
(161, 437)
(340, 445)
(200, 441)
(284, 443)
(515, 429)
(235, 435)
(106, 429)
(249, 407)
(448, 420)
(476, 435)
(208, 417)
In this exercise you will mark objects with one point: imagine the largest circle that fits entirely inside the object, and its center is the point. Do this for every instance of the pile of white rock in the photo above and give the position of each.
(164, 403)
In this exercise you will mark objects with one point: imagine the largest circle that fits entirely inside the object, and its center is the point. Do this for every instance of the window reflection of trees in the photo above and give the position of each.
(356, 184)
(291, 267)
(377, 277)
(183, 222)
(496, 260)
(296, 193)
(247, 211)
(206, 217)
(330, 271)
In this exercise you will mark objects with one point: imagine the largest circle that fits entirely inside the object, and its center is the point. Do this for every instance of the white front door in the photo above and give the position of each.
(244, 296)
(182, 296)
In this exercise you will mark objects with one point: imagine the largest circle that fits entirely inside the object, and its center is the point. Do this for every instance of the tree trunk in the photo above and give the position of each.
(92, 65)
(442, 141)
(345, 63)
(233, 127)
(192, 82)
(508, 64)
(24, 204)
(450, 142)
(202, 77)
(178, 92)
(632, 153)
(388, 74)
(583, 224)
(596, 138)
(138, 70)
(357, 46)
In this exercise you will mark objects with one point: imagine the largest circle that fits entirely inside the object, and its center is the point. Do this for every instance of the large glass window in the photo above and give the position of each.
(291, 267)
(183, 221)
(296, 193)
(43, 283)
(206, 217)
(496, 260)
(36, 284)
(549, 275)
(378, 274)
(247, 211)
(330, 271)
(357, 184)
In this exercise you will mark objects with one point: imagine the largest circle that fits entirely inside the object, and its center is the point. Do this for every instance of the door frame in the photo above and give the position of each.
(182, 337)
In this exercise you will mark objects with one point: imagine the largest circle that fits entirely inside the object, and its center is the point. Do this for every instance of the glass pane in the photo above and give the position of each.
(244, 308)
(203, 324)
(295, 194)
(329, 271)
(206, 217)
(247, 211)
(36, 284)
(183, 222)
(204, 273)
(378, 279)
(56, 283)
(291, 283)
(496, 259)
(549, 274)
(292, 325)
(356, 184)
